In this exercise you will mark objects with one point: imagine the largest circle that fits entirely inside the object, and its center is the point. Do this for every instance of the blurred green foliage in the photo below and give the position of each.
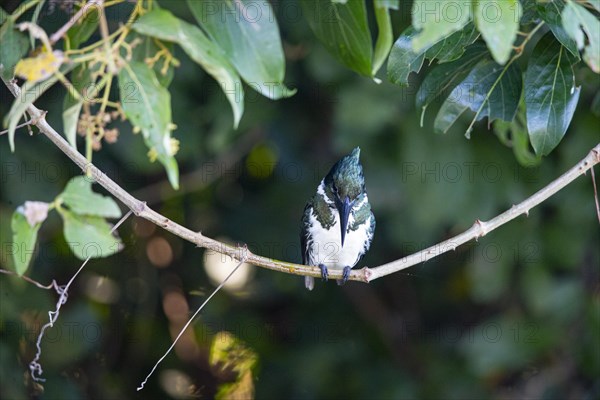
(513, 315)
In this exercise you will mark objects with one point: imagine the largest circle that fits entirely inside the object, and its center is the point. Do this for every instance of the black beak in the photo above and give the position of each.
(344, 209)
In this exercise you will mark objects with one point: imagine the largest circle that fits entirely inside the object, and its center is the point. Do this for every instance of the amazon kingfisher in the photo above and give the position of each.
(337, 224)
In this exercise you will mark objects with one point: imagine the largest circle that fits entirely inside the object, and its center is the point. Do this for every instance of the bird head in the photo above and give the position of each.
(345, 183)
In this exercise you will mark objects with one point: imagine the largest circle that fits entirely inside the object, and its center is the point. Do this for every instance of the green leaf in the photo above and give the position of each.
(147, 48)
(489, 90)
(595, 107)
(24, 239)
(515, 135)
(34, 20)
(247, 32)
(89, 236)
(343, 30)
(435, 20)
(530, 11)
(577, 21)
(385, 36)
(453, 47)
(165, 26)
(30, 91)
(443, 78)
(14, 47)
(3, 15)
(228, 353)
(80, 199)
(147, 104)
(84, 28)
(498, 22)
(551, 14)
(81, 78)
(550, 94)
(595, 4)
(403, 59)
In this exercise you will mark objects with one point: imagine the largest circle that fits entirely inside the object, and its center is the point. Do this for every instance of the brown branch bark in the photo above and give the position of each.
(140, 209)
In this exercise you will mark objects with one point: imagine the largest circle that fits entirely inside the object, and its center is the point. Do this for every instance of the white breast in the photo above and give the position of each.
(325, 246)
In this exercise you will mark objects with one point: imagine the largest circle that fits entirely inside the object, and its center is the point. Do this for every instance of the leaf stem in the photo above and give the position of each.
(63, 79)
(519, 49)
(63, 30)
(22, 10)
(518, 52)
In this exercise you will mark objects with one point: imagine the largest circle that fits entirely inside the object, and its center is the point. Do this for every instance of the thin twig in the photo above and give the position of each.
(17, 127)
(63, 30)
(35, 368)
(190, 321)
(110, 59)
(595, 194)
(28, 279)
(140, 209)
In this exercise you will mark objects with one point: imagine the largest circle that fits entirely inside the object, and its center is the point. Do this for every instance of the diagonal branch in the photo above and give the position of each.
(140, 209)
(481, 228)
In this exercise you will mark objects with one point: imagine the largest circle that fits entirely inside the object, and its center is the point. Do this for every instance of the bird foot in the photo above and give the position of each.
(324, 272)
(345, 276)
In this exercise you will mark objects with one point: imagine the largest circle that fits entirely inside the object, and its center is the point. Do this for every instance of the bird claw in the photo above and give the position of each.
(324, 272)
(345, 276)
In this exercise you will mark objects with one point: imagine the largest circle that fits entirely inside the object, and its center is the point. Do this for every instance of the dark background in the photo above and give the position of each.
(513, 315)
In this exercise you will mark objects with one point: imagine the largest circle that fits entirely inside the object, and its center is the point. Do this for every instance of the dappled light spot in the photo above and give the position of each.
(159, 252)
(101, 289)
(175, 306)
(177, 311)
(218, 266)
(143, 228)
(262, 161)
(186, 347)
(177, 384)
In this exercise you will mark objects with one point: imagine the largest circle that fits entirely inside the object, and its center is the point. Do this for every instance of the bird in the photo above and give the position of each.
(337, 223)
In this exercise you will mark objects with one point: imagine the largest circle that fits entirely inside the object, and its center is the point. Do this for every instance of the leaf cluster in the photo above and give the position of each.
(475, 49)
(486, 79)
(85, 228)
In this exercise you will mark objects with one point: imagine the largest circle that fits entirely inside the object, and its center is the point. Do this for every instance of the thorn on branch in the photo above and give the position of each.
(367, 273)
(41, 117)
(139, 208)
(243, 248)
(482, 230)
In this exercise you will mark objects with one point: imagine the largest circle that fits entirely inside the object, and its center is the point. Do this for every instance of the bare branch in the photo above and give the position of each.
(481, 228)
(140, 209)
